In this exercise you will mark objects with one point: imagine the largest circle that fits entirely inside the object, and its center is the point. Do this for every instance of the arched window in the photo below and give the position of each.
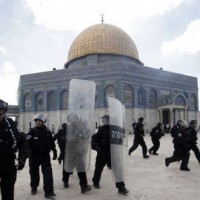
(51, 101)
(128, 96)
(141, 96)
(109, 91)
(39, 102)
(27, 102)
(152, 99)
(64, 100)
(193, 103)
(180, 100)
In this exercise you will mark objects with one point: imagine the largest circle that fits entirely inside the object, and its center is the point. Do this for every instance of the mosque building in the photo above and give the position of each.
(108, 56)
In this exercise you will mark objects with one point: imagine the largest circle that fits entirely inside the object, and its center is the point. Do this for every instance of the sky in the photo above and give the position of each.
(35, 35)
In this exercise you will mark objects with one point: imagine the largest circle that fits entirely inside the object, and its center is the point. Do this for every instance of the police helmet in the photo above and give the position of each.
(104, 120)
(181, 123)
(40, 117)
(64, 125)
(159, 124)
(3, 105)
(105, 116)
(192, 122)
(141, 119)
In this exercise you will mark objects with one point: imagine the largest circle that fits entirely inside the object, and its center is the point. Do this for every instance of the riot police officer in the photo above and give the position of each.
(193, 133)
(182, 146)
(61, 138)
(11, 142)
(101, 144)
(76, 150)
(41, 143)
(156, 133)
(139, 138)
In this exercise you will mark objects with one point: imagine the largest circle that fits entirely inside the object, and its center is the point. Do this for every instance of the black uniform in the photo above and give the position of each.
(101, 143)
(61, 138)
(182, 148)
(193, 142)
(11, 142)
(156, 133)
(139, 140)
(41, 143)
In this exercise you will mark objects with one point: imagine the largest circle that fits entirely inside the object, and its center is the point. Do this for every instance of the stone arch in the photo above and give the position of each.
(141, 96)
(109, 91)
(180, 100)
(39, 102)
(152, 98)
(64, 97)
(193, 102)
(128, 96)
(51, 100)
(27, 102)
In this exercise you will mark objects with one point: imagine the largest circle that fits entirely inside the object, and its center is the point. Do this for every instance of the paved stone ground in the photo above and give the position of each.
(147, 179)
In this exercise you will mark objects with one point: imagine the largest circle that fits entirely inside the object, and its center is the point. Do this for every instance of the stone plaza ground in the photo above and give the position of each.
(146, 179)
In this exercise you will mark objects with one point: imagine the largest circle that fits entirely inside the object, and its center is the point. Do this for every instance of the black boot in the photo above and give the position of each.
(50, 195)
(85, 188)
(184, 168)
(167, 162)
(96, 185)
(123, 191)
(66, 185)
(145, 156)
(33, 191)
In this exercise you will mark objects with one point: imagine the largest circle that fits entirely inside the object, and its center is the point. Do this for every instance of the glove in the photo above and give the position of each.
(20, 165)
(54, 155)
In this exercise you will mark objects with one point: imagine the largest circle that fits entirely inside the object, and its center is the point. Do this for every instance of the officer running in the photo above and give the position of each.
(182, 146)
(156, 133)
(139, 138)
(193, 133)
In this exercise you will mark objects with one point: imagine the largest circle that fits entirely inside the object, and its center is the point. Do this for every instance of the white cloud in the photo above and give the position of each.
(187, 43)
(9, 83)
(2, 50)
(77, 14)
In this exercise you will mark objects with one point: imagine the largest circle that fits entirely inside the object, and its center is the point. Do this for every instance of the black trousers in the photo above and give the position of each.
(156, 145)
(81, 175)
(196, 151)
(102, 159)
(180, 154)
(8, 174)
(136, 142)
(35, 161)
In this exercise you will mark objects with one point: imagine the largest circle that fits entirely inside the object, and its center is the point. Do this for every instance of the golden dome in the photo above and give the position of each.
(103, 39)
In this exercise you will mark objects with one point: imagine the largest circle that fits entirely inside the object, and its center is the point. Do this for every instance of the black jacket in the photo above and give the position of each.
(61, 138)
(138, 130)
(193, 135)
(11, 142)
(156, 133)
(41, 140)
(101, 140)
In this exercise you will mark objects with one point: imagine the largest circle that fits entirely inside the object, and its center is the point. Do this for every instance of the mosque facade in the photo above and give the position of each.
(107, 55)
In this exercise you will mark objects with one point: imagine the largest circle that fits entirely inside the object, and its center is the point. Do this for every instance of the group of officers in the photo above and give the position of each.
(184, 140)
(38, 142)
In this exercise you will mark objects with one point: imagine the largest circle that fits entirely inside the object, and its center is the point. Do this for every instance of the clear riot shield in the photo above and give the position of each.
(80, 122)
(116, 138)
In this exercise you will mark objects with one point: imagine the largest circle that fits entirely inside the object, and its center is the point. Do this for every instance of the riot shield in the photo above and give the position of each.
(80, 122)
(117, 135)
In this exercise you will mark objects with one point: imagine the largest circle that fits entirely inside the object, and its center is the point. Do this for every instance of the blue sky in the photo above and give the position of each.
(35, 35)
